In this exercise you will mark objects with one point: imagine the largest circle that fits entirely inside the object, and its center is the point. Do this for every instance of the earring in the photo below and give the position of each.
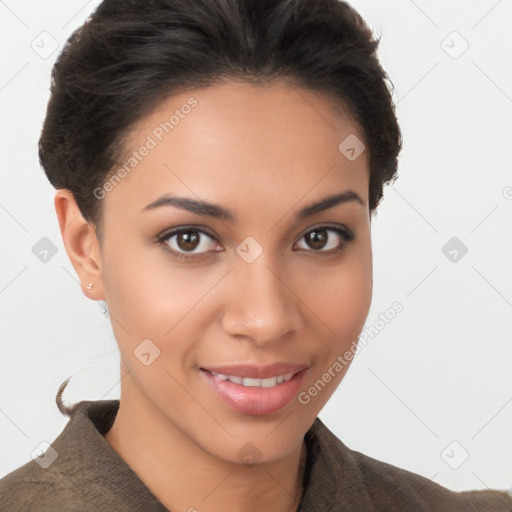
(90, 285)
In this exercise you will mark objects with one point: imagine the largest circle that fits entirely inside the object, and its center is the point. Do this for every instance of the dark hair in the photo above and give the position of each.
(64, 409)
(131, 54)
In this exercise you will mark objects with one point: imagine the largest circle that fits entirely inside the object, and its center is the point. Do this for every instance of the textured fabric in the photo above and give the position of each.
(89, 475)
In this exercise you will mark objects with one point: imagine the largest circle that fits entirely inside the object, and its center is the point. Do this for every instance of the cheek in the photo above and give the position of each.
(151, 296)
(344, 293)
(342, 304)
(141, 298)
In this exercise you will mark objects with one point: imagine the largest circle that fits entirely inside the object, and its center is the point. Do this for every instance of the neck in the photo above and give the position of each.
(185, 477)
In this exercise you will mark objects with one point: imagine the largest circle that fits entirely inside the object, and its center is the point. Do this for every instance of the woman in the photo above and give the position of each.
(217, 164)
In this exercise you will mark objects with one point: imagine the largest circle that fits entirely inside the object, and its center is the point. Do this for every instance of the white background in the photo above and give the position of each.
(439, 372)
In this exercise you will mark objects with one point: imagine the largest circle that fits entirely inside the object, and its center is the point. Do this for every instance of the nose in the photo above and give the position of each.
(261, 305)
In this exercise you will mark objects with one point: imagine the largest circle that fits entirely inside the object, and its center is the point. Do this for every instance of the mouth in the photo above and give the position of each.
(255, 390)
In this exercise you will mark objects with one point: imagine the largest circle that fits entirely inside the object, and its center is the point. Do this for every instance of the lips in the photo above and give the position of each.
(256, 390)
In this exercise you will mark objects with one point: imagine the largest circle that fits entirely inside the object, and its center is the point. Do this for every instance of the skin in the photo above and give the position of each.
(263, 152)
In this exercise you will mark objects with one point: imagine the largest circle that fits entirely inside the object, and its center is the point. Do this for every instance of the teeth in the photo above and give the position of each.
(256, 383)
(268, 383)
(247, 381)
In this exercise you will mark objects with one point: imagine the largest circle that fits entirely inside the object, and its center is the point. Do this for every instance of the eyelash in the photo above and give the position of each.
(346, 234)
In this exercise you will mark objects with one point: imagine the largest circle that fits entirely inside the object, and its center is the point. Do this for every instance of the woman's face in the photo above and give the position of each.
(260, 284)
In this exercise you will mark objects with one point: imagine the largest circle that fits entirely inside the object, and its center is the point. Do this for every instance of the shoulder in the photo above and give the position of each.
(377, 485)
(79, 471)
(55, 480)
(33, 488)
(388, 484)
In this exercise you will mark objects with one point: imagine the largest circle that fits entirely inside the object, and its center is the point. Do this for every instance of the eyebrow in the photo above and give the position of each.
(219, 212)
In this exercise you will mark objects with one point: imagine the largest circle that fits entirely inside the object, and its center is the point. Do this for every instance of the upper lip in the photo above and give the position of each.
(257, 371)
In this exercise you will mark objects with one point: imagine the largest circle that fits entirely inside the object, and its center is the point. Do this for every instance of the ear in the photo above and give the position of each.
(81, 243)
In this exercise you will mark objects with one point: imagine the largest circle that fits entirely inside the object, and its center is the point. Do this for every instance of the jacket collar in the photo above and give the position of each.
(332, 475)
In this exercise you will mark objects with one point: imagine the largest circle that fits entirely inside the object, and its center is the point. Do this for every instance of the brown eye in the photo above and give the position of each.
(316, 239)
(185, 242)
(327, 239)
(188, 240)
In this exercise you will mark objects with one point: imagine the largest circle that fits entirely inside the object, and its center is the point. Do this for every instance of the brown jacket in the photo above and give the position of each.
(88, 475)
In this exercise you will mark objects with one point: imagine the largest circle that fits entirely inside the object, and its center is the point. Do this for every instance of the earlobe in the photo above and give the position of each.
(81, 243)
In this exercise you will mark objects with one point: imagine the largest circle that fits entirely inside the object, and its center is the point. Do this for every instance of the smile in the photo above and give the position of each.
(255, 390)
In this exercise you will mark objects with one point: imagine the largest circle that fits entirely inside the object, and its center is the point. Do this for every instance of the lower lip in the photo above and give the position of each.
(256, 401)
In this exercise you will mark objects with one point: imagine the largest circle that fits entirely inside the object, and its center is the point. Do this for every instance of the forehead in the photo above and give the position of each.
(275, 142)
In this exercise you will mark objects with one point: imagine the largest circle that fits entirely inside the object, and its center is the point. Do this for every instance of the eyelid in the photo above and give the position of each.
(186, 227)
(341, 229)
